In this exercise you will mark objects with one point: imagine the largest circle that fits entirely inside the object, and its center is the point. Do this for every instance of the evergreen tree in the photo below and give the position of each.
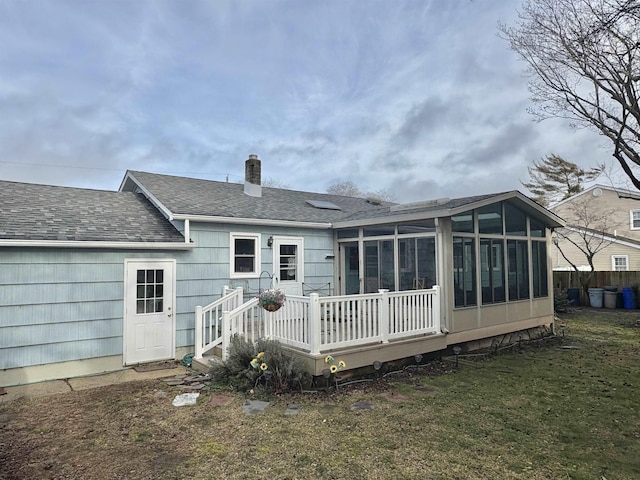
(553, 179)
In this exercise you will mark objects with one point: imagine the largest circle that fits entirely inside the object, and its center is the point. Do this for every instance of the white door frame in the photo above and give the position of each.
(295, 287)
(169, 302)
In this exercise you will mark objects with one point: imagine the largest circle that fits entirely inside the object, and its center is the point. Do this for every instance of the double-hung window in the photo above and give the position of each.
(245, 255)
(619, 263)
(635, 219)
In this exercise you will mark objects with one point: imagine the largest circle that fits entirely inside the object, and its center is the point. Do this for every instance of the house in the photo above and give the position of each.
(601, 220)
(91, 281)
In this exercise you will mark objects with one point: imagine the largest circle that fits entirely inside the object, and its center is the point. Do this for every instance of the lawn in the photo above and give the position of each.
(539, 412)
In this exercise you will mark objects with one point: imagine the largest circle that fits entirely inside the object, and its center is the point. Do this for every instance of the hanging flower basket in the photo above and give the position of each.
(271, 300)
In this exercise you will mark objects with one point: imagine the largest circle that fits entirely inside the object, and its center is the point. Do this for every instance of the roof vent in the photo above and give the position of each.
(373, 201)
(323, 205)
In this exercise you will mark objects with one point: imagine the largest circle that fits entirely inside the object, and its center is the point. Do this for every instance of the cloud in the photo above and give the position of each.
(417, 97)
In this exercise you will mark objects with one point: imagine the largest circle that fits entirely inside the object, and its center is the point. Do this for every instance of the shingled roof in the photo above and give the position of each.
(53, 213)
(190, 196)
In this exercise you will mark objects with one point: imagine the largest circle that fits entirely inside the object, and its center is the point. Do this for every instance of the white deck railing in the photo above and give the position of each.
(209, 320)
(317, 324)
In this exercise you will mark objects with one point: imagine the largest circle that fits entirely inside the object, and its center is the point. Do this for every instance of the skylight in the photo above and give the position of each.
(324, 205)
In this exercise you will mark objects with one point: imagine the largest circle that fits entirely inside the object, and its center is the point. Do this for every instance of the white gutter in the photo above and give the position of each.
(98, 244)
(249, 221)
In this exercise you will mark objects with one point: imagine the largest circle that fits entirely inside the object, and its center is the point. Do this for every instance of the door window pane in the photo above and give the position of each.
(288, 262)
(149, 291)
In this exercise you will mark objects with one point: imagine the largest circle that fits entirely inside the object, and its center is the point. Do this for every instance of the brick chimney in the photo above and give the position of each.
(252, 174)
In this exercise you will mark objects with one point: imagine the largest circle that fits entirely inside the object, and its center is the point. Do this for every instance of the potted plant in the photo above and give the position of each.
(271, 300)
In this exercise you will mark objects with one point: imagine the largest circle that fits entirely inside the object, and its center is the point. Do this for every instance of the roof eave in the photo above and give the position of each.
(251, 221)
(552, 219)
(98, 244)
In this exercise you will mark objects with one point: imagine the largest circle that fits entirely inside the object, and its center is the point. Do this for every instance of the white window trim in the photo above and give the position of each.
(233, 236)
(631, 212)
(613, 262)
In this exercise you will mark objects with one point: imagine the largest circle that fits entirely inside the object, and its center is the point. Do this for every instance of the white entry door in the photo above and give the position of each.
(149, 321)
(288, 264)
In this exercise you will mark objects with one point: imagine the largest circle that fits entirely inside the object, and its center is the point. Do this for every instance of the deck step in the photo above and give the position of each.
(205, 363)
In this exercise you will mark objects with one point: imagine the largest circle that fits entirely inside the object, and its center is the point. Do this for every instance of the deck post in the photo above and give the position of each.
(315, 327)
(199, 330)
(239, 300)
(383, 318)
(226, 334)
(435, 309)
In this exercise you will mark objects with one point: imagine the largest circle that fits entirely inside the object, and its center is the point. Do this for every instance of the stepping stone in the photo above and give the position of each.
(221, 399)
(362, 405)
(254, 407)
(185, 399)
(292, 409)
(160, 394)
(174, 382)
(395, 397)
(194, 386)
(570, 347)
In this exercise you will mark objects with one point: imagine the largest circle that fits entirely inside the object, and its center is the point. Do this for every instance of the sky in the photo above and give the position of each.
(418, 98)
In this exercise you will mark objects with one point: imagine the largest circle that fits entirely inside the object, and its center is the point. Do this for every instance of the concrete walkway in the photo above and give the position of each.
(53, 387)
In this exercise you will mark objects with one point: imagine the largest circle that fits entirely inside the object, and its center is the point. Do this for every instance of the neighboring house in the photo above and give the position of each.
(606, 218)
(91, 281)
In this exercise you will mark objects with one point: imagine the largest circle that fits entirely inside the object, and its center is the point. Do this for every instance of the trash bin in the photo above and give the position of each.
(596, 297)
(573, 295)
(627, 298)
(610, 299)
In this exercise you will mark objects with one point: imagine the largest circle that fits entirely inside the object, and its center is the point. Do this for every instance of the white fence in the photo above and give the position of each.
(317, 324)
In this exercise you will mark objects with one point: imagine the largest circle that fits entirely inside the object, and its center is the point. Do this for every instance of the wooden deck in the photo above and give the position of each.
(359, 329)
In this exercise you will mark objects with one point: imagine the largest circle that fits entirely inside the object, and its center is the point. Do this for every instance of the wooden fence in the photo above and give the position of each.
(566, 280)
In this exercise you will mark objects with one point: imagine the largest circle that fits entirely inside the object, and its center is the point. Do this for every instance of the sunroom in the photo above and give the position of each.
(420, 277)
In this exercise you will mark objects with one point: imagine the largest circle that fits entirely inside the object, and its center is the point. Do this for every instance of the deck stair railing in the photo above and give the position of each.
(318, 324)
(208, 334)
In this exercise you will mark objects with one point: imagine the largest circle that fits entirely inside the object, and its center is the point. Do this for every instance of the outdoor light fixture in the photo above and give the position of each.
(270, 241)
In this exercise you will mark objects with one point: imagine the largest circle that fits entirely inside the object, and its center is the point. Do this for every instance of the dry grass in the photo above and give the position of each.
(537, 413)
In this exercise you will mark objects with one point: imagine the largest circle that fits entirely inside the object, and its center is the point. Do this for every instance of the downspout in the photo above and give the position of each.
(186, 231)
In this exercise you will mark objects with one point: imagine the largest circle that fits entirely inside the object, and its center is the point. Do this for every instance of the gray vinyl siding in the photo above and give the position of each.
(61, 305)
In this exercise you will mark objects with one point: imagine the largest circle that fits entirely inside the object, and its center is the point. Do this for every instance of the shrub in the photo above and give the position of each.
(244, 370)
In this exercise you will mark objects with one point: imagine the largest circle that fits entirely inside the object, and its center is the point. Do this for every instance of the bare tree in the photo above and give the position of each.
(348, 188)
(590, 229)
(583, 57)
(553, 179)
